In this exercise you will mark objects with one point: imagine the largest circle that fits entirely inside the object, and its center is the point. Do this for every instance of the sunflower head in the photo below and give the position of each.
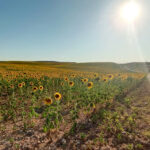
(48, 101)
(31, 83)
(73, 76)
(95, 75)
(71, 83)
(41, 88)
(66, 79)
(110, 76)
(11, 86)
(20, 85)
(97, 78)
(124, 77)
(35, 89)
(105, 79)
(85, 80)
(90, 85)
(57, 96)
(23, 83)
(62, 83)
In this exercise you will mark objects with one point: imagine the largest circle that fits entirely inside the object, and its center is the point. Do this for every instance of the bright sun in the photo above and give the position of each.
(130, 11)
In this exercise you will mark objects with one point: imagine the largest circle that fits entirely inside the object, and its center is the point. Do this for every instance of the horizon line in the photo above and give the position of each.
(74, 61)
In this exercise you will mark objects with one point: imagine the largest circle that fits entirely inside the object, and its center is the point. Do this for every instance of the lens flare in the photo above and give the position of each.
(130, 11)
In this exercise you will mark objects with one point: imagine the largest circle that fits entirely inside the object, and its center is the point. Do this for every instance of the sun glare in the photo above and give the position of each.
(130, 11)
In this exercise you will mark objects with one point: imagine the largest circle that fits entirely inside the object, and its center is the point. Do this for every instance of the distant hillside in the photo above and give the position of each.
(104, 67)
(137, 67)
(101, 67)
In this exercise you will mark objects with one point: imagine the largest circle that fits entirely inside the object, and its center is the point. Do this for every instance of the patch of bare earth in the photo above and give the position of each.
(12, 135)
(140, 105)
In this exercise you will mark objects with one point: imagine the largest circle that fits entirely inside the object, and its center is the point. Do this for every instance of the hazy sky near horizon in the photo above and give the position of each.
(72, 30)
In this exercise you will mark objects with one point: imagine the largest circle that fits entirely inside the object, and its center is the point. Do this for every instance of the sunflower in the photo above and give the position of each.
(85, 80)
(97, 78)
(62, 83)
(31, 83)
(95, 75)
(11, 86)
(124, 77)
(105, 79)
(20, 85)
(57, 96)
(71, 83)
(23, 83)
(73, 76)
(35, 89)
(90, 85)
(66, 79)
(48, 101)
(110, 76)
(119, 75)
(41, 88)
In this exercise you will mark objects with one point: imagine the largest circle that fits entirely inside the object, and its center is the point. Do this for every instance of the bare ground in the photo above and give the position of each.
(13, 137)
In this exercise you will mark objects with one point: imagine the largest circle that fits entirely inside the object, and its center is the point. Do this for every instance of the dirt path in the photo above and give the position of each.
(140, 98)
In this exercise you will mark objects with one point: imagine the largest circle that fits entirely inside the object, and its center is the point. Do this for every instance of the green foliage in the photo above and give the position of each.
(98, 102)
(53, 117)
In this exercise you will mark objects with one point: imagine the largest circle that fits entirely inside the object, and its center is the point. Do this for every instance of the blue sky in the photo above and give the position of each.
(72, 30)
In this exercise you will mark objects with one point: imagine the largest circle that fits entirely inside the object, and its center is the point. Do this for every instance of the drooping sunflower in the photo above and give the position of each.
(48, 101)
(41, 88)
(90, 85)
(23, 83)
(95, 75)
(35, 89)
(31, 83)
(57, 96)
(62, 83)
(97, 78)
(20, 85)
(71, 83)
(94, 106)
(11, 86)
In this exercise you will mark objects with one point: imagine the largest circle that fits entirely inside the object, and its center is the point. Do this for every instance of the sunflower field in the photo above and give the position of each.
(62, 104)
